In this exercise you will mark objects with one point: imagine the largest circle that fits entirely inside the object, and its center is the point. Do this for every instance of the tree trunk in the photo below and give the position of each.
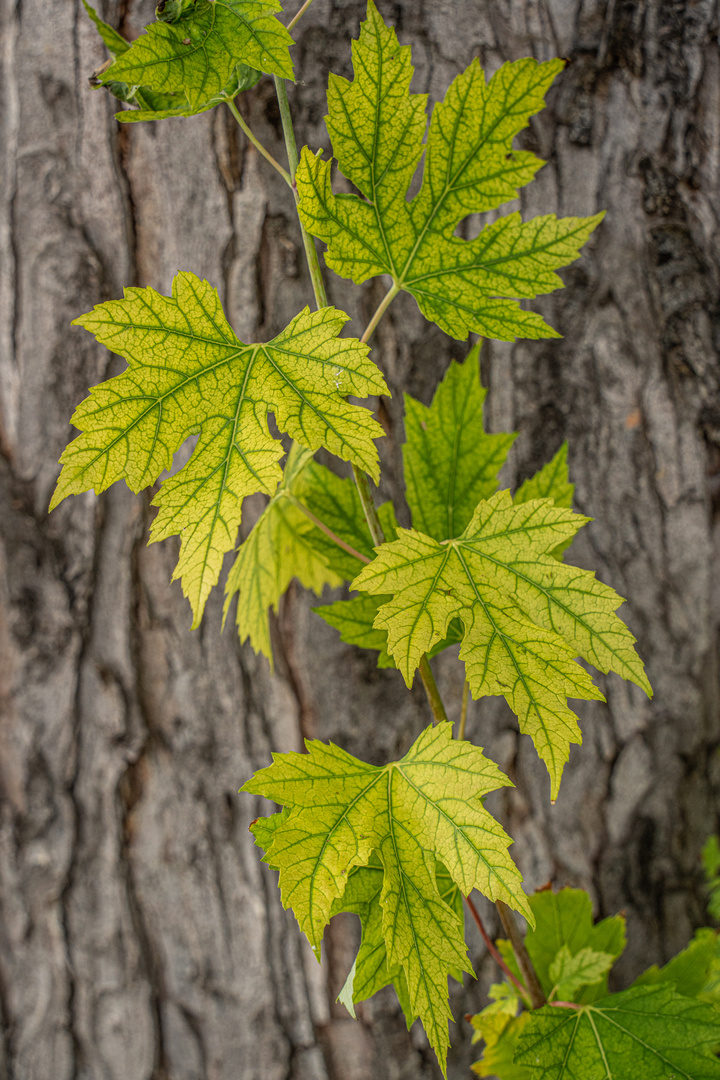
(140, 937)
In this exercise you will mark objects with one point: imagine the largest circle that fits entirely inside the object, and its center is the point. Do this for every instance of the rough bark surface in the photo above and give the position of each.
(140, 938)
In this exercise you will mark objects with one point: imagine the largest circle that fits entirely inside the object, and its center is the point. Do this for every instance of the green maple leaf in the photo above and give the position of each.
(197, 54)
(410, 813)
(501, 1034)
(189, 373)
(526, 616)
(450, 463)
(377, 129)
(112, 40)
(370, 971)
(243, 78)
(648, 1031)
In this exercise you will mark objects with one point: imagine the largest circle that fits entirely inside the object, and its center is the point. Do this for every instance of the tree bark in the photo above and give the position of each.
(140, 937)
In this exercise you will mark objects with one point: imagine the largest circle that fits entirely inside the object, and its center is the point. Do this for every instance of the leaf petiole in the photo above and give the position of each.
(464, 709)
(433, 694)
(258, 145)
(491, 948)
(324, 528)
(299, 14)
(380, 311)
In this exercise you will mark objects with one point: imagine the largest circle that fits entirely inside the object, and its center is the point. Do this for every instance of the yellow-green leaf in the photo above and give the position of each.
(197, 54)
(189, 374)
(409, 813)
(377, 127)
(526, 616)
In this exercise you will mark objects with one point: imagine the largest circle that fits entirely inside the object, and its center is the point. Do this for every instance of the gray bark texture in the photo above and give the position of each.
(140, 936)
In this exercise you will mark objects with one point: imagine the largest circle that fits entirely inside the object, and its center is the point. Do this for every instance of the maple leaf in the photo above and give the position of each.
(570, 972)
(409, 813)
(285, 543)
(377, 127)
(188, 373)
(526, 616)
(196, 55)
(278, 548)
(647, 1031)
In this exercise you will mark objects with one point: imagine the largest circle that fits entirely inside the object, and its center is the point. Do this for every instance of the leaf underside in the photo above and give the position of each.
(196, 55)
(377, 128)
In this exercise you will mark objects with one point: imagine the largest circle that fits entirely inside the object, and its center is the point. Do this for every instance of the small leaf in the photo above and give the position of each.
(197, 54)
(188, 371)
(410, 814)
(648, 1031)
(569, 972)
(377, 127)
(564, 919)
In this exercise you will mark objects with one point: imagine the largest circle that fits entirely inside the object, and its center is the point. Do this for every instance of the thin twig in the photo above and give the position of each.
(433, 694)
(535, 990)
(464, 709)
(564, 1004)
(492, 949)
(380, 311)
(311, 254)
(258, 145)
(328, 531)
(296, 18)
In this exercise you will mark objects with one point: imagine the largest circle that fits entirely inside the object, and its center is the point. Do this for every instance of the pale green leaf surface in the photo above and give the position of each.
(648, 1031)
(424, 808)
(450, 463)
(197, 54)
(569, 972)
(243, 78)
(188, 372)
(377, 128)
(526, 616)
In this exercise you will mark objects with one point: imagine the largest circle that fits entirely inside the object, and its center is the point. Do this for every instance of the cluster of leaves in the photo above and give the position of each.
(397, 845)
(198, 54)
(663, 1027)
